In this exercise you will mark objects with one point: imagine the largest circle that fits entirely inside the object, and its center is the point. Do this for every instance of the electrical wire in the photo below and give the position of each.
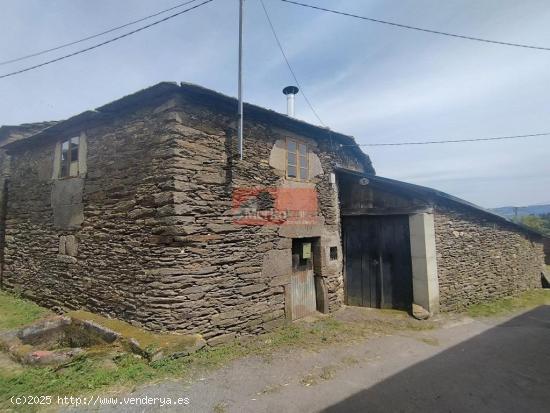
(498, 138)
(105, 42)
(289, 65)
(404, 26)
(5, 62)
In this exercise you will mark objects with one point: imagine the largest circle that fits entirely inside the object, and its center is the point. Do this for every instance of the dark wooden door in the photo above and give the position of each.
(378, 261)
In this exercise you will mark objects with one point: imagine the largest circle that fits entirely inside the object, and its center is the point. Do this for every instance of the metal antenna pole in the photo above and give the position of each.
(240, 125)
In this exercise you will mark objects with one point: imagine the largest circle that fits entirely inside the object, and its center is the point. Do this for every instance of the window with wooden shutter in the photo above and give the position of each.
(297, 160)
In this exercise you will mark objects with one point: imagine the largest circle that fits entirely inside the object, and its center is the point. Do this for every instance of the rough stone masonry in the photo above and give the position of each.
(147, 233)
(479, 258)
(146, 230)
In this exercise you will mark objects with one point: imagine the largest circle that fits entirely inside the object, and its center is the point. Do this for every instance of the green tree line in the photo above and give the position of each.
(539, 223)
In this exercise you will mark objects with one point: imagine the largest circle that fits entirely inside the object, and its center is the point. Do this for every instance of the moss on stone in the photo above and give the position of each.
(506, 305)
(140, 340)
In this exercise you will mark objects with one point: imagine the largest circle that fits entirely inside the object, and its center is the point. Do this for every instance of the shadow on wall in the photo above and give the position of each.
(505, 369)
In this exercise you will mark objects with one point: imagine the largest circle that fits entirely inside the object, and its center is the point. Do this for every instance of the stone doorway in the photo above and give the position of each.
(302, 280)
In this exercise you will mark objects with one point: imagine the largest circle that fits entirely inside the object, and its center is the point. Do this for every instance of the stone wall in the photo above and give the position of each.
(227, 278)
(480, 258)
(100, 265)
(158, 244)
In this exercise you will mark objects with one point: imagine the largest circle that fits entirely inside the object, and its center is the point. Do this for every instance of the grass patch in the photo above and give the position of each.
(528, 299)
(91, 374)
(309, 380)
(271, 389)
(88, 375)
(349, 361)
(219, 408)
(432, 341)
(16, 312)
(328, 372)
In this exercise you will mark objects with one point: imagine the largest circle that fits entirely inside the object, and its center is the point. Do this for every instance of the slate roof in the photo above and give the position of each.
(200, 96)
(431, 195)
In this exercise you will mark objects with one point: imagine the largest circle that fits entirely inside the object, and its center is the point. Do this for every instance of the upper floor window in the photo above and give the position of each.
(69, 157)
(297, 160)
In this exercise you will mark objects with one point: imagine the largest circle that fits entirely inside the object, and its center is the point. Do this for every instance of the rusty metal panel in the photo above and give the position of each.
(302, 287)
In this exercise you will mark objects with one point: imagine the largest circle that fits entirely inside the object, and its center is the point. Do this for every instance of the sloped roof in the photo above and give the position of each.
(200, 96)
(434, 195)
(13, 133)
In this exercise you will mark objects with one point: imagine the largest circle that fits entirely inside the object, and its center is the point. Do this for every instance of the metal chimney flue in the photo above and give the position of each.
(290, 92)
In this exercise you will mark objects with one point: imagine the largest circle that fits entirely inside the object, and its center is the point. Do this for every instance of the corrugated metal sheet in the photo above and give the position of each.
(302, 287)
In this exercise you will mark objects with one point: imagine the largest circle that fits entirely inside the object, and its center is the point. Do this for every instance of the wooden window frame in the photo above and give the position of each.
(298, 164)
(69, 159)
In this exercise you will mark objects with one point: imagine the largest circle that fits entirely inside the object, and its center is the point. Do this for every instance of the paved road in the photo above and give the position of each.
(466, 366)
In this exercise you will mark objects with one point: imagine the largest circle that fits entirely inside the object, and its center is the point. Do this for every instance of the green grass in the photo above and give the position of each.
(16, 312)
(88, 375)
(92, 374)
(507, 305)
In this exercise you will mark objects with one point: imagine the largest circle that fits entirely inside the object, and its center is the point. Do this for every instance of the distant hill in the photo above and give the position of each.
(509, 211)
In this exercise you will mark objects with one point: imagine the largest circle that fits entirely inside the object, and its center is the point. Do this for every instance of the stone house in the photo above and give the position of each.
(142, 210)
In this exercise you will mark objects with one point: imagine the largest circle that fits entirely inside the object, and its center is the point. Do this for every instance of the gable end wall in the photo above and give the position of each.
(100, 265)
(158, 245)
(224, 278)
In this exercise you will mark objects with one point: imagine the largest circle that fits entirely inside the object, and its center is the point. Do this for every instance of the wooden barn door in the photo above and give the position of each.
(378, 261)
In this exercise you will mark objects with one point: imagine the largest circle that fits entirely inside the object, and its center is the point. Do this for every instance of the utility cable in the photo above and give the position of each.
(404, 26)
(61, 46)
(498, 138)
(105, 42)
(288, 64)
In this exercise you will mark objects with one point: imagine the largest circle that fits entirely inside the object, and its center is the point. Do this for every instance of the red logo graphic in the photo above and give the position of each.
(275, 206)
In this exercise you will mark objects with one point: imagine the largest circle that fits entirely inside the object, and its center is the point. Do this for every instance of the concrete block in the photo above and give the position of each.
(71, 245)
(424, 262)
(62, 244)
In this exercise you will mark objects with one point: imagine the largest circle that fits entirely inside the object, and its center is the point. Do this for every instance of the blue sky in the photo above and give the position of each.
(375, 82)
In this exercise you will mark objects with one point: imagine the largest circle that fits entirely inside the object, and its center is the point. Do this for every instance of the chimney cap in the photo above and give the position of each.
(290, 90)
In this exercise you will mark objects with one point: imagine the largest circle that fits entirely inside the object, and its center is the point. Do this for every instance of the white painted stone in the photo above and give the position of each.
(56, 161)
(82, 155)
(424, 262)
(71, 245)
(277, 263)
(62, 244)
(277, 157)
(315, 167)
(419, 312)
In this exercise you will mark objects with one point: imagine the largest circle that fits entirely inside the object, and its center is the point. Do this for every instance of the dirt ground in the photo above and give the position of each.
(461, 365)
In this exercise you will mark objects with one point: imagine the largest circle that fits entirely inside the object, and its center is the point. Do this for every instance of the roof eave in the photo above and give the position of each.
(434, 193)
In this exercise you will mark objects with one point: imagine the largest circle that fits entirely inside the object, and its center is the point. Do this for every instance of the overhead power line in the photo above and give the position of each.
(105, 42)
(289, 65)
(61, 46)
(498, 138)
(405, 26)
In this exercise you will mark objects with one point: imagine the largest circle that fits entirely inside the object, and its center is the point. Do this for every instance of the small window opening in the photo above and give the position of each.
(69, 157)
(297, 160)
(333, 253)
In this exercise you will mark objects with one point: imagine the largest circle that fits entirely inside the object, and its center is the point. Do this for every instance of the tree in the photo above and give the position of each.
(539, 223)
